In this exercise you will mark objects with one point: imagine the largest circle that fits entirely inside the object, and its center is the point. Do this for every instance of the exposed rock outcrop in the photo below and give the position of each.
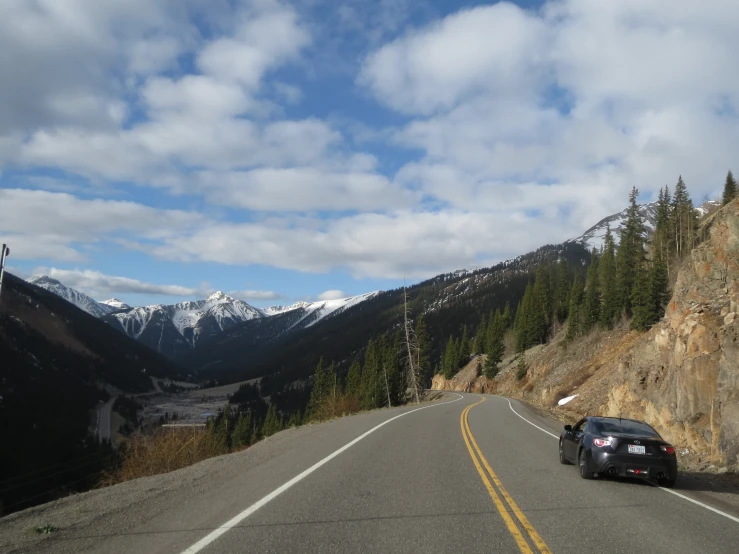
(682, 375)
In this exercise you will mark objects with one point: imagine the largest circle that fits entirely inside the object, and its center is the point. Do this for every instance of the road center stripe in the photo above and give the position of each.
(230, 524)
(507, 519)
(538, 541)
(526, 524)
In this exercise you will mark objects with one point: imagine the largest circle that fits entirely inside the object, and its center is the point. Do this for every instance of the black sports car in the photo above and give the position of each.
(615, 446)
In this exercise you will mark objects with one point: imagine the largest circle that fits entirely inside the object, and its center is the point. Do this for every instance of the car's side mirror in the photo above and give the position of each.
(568, 428)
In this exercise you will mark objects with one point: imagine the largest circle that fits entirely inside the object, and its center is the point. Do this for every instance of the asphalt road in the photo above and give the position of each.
(423, 482)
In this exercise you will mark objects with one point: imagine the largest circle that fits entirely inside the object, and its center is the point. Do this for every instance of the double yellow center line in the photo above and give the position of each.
(480, 462)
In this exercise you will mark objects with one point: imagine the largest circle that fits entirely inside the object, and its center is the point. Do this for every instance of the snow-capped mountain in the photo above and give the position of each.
(169, 329)
(76, 297)
(595, 236)
(246, 342)
(117, 304)
(316, 311)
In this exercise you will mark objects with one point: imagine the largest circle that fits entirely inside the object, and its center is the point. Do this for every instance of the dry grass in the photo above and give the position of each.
(337, 406)
(165, 450)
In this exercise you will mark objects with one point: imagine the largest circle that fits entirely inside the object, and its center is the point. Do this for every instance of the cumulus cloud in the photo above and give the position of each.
(42, 224)
(511, 127)
(332, 295)
(399, 244)
(247, 295)
(567, 106)
(100, 285)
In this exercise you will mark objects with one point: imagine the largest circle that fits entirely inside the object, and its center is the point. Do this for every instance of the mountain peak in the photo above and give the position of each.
(219, 296)
(115, 303)
(43, 280)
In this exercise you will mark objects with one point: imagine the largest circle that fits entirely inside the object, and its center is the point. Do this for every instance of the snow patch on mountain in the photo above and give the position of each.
(189, 317)
(79, 299)
(595, 236)
(274, 310)
(117, 304)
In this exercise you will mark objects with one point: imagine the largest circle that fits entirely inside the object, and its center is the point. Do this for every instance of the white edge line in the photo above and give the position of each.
(701, 504)
(527, 421)
(706, 506)
(230, 524)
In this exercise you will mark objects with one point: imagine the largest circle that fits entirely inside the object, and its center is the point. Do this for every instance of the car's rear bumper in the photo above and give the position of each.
(633, 466)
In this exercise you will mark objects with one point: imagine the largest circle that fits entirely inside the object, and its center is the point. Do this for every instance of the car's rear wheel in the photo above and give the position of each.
(585, 472)
(667, 483)
(562, 459)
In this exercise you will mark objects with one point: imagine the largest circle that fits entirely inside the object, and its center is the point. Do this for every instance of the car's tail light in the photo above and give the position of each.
(601, 442)
(668, 449)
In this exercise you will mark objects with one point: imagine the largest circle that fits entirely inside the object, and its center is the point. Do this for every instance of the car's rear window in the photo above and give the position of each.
(606, 426)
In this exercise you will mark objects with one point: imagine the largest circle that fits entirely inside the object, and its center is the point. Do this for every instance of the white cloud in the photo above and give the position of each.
(400, 244)
(304, 189)
(332, 295)
(248, 295)
(567, 107)
(41, 224)
(492, 48)
(99, 285)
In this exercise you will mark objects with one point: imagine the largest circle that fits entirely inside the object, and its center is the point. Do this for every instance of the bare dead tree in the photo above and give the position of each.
(411, 345)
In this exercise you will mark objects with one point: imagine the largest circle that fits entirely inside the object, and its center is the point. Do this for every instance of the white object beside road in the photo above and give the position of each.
(566, 400)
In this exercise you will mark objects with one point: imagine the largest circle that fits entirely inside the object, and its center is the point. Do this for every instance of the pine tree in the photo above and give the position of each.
(662, 237)
(521, 368)
(451, 358)
(659, 289)
(591, 307)
(318, 391)
(294, 420)
(242, 431)
(575, 309)
(464, 349)
(641, 300)
(562, 292)
(354, 379)
(422, 342)
(540, 308)
(478, 345)
(272, 422)
(478, 367)
(729, 189)
(683, 221)
(332, 382)
(607, 270)
(495, 347)
(370, 377)
(630, 253)
(506, 321)
(525, 321)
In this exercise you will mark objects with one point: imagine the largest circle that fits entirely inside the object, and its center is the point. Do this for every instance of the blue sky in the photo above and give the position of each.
(159, 150)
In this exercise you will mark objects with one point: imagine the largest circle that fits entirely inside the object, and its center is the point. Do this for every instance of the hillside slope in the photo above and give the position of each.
(56, 360)
(682, 375)
(448, 302)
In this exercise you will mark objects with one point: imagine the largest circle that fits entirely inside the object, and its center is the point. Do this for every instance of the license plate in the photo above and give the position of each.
(637, 449)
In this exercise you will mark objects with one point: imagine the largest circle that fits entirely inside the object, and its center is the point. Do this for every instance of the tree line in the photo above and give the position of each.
(625, 281)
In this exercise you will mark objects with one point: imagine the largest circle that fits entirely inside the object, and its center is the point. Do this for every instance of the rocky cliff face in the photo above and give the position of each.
(682, 376)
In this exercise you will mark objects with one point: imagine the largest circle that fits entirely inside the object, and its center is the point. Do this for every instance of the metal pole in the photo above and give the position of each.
(3, 254)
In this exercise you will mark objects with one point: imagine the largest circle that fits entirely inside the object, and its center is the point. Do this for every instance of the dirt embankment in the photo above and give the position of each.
(682, 375)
